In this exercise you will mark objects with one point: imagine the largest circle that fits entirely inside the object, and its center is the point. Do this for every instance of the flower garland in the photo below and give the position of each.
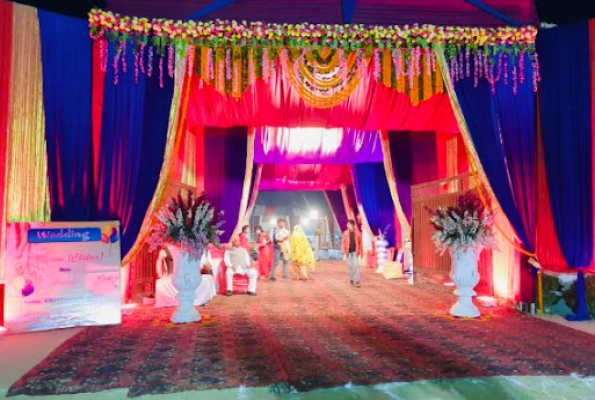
(237, 53)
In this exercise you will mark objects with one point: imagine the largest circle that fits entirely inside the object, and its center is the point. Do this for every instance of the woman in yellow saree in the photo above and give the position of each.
(301, 253)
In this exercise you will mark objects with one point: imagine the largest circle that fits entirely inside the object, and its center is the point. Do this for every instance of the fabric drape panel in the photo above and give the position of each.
(5, 79)
(316, 146)
(372, 189)
(175, 126)
(27, 180)
(502, 127)
(274, 102)
(304, 176)
(133, 140)
(566, 125)
(66, 54)
(335, 200)
(226, 150)
(248, 187)
(414, 157)
(255, 190)
(347, 204)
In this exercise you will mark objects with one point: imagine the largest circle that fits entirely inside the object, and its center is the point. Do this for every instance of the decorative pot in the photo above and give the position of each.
(463, 272)
(186, 279)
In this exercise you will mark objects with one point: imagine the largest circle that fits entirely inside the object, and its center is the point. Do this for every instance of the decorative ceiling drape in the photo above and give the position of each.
(304, 176)
(371, 106)
(275, 145)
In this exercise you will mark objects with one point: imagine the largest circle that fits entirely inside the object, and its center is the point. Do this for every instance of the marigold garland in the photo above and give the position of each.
(323, 61)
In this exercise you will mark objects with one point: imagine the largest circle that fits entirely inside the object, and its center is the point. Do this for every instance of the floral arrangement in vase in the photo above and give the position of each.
(465, 226)
(189, 222)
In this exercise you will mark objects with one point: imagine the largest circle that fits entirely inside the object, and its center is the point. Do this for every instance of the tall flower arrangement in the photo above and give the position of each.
(465, 226)
(189, 222)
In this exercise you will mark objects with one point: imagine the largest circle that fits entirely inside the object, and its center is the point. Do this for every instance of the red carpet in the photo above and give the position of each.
(312, 334)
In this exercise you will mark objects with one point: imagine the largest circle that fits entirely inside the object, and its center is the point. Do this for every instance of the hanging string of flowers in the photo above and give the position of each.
(231, 55)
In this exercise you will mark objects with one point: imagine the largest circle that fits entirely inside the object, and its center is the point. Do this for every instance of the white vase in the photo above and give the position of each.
(464, 273)
(186, 279)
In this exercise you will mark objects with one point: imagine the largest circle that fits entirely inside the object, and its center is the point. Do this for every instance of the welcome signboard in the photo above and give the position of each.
(61, 275)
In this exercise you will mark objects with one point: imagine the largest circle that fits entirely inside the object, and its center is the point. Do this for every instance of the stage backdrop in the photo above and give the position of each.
(60, 275)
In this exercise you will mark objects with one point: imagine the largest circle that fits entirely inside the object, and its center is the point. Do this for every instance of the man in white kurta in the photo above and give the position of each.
(237, 260)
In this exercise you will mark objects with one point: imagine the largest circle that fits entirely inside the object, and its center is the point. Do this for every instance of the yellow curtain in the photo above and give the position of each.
(247, 184)
(175, 129)
(392, 184)
(27, 190)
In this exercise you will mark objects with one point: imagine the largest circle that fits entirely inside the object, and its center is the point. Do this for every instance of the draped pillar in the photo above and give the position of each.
(372, 190)
(226, 151)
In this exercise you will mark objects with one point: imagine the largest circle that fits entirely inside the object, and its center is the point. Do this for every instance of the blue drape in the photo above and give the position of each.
(66, 55)
(565, 101)
(415, 160)
(225, 168)
(370, 184)
(133, 136)
(502, 127)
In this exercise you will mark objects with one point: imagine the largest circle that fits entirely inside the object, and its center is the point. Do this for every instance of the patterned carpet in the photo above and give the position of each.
(308, 335)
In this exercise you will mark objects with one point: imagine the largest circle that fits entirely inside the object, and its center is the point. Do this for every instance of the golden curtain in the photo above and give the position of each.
(27, 179)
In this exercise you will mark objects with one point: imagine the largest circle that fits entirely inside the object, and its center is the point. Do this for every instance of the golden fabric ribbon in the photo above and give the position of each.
(392, 185)
(175, 128)
(474, 163)
(242, 215)
(27, 178)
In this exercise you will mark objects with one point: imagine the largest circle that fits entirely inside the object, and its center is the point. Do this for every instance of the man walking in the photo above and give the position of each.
(279, 237)
(352, 249)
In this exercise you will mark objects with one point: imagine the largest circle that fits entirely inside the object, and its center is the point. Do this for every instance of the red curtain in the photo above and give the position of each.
(5, 73)
(371, 106)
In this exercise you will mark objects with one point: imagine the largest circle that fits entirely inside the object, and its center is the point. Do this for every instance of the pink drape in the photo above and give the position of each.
(304, 176)
(371, 106)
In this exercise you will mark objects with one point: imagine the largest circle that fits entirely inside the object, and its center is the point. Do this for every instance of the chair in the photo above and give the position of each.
(240, 282)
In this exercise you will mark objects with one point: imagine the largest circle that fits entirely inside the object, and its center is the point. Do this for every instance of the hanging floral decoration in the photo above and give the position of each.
(324, 61)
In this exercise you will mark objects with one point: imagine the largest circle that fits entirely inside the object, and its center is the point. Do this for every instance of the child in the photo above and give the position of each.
(352, 249)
